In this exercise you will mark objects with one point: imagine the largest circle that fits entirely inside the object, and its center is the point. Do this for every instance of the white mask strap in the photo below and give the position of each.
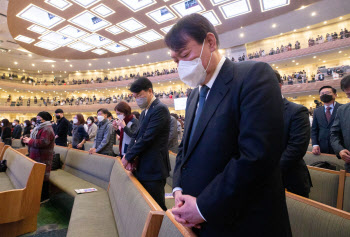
(209, 61)
(202, 49)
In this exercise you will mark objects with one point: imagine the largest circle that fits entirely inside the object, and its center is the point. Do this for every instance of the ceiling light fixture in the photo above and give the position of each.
(274, 25)
(313, 14)
(235, 8)
(241, 35)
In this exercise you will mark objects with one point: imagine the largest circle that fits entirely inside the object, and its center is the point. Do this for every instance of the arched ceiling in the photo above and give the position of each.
(90, 29)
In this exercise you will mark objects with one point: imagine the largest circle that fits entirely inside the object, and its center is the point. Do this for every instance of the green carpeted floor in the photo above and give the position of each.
(53, 217)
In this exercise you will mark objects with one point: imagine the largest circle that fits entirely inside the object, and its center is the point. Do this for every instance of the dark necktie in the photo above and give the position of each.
(202, 97)
(328, 113)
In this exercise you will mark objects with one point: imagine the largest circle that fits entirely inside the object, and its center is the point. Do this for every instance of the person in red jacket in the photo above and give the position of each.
(40, 147)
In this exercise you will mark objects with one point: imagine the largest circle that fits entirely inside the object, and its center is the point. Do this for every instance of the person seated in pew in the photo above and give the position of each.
(80, 136)
(41, 145)
(103, 143)
(125, 126)
(340, 131)
(295, 175)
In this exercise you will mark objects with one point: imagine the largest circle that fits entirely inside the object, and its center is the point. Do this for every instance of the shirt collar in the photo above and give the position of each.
(152, 100)
(332, 105)
(215, 74)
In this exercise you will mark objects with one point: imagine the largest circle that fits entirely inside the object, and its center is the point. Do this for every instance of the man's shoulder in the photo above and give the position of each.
(295, 106)
(343, 108)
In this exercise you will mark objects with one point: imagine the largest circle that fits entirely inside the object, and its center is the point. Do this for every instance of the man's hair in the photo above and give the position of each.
(109, 114)
(57, 111)
(278, 76)
(324, 87)
(345, 83)
(123, 107)
(16, 120)
(194, 26)
(141, 84)
(103, 110)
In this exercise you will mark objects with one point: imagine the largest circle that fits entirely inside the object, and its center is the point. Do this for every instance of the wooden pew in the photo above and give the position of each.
(20, 192)
(170, 227)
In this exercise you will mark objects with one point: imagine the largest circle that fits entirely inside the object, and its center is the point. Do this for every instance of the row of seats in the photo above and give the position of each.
(20, 191)
(120, 207)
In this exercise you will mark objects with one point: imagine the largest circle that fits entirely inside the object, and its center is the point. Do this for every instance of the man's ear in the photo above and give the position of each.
(211, 41)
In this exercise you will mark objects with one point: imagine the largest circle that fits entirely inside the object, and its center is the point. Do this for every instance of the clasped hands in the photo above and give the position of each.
(126, 164)
(185, 210)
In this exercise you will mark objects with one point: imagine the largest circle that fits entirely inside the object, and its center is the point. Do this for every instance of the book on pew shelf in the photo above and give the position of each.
(169, 195)
(86, 190)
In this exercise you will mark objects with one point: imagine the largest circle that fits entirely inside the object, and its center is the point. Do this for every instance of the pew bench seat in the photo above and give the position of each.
(5, 182)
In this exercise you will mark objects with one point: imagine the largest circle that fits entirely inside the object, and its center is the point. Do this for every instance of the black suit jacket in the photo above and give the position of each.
(17, 132)
(232, 163)
(150, 144)
(61, 131)
(295, 175)
(321, 129)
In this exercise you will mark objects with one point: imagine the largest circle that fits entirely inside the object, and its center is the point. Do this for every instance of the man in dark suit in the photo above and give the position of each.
(17, 130)
(295, 175)
(61, 131)
(340, 130)
(148, 148)
(323, 120)
(227, 179)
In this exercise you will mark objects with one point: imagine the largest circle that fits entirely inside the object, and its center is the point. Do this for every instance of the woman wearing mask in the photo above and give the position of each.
(40, 147)
(126, 125)
(6, 132)
(27, 128)
(92, 128)
(80, 136)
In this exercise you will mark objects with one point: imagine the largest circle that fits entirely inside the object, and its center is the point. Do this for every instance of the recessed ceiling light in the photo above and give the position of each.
(89, 21)
(37, 29)
(212, 17)
(132, 42)
(340, 52)
(235, 8)
(52, 65)
(313, 14)
(297, 64)
(161, 15)
(89, 64)
(109, 62)
(166, 29)
(314, 57)
(47, 45)
(276, 67)
(128, 60)
(308, 27)
(216, 2)
(267, 5)
(302, 7)
(185, 7)
(40, 16)
(72, 31)
(86, 3)
(81, 46)
(147, 56)
(150, 36)
(273, 64)
(97, 40)
(56, 38)
(325, 22)
(33, 64)
(324, 61)
(24, 39)
(295, 30)
(15, 63)
(281, 34)
(137, 5)
(102, 10)
(241, 35)
(274, 25)
(60, 4)
(116, 48)
(114, 30)
(293, 61)
(49, 61)
(340, 18)
(131, 25)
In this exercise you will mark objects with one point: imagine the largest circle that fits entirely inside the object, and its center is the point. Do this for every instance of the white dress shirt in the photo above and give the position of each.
(210, 85)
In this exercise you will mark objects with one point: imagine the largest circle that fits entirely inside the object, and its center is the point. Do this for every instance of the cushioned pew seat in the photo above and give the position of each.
(92, 216)
(5, 182)
(68, 182)
(170, 202)
(310, 158)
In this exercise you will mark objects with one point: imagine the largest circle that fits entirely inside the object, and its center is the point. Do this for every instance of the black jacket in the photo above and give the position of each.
(232, 163)
(26, 130)
(6, 136)
(150, 144)
(295, 175)
(62, 131)
(17, 132)
(321, 129)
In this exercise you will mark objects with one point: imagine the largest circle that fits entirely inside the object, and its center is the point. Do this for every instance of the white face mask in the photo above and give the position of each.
(13, 124)
(2, 124)
(192, 72)
(75, 121)
(25, 125)
(121, 116)
(89, 122)
(33, 123)
(100, 118)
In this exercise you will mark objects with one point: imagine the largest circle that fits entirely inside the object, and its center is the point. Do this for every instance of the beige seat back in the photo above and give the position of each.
(310, 158)
(311, 218)
(170, 227)
(172, 158)
(133, 214)
(346, 198)
(94, 168)
(88, 145)
(16, 143)
(62, 151)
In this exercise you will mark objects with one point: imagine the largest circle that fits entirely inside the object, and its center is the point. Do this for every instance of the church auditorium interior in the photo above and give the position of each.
(97, 113)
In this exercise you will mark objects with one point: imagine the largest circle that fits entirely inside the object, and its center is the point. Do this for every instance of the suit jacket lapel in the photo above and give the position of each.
(216, 94)
(144, 118)
(191, 111)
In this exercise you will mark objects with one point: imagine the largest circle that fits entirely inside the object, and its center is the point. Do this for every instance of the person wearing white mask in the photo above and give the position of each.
(17, 130)
(103, 143)
(227, 174)
(80, 136)
(125, 125)
(92, 128)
